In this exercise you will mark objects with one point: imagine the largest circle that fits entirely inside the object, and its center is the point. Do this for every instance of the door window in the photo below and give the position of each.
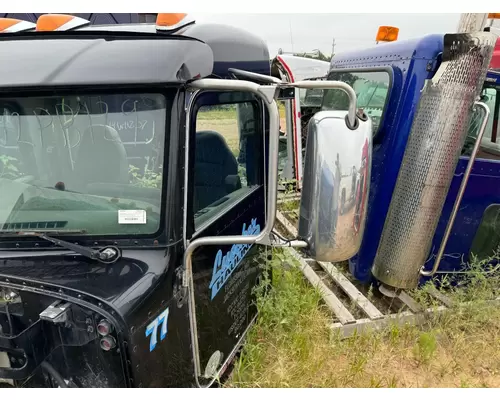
(490, 144)
(486, 243)
(228, 156)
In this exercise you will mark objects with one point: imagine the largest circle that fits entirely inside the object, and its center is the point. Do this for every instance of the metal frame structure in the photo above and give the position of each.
(319, 274)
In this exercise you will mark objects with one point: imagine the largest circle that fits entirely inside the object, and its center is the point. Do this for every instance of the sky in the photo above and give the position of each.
(307, 32)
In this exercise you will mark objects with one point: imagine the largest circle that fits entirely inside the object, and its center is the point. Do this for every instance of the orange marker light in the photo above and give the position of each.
(8, 25)
(494, 15)
(387, 34)
(59, 22)
(172, 21)
(169, 19)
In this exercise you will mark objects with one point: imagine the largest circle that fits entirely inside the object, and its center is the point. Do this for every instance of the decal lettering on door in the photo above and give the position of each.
(152, 329)
(225, 265)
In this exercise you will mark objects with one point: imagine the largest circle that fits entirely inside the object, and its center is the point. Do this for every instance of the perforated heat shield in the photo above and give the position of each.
(437, 136)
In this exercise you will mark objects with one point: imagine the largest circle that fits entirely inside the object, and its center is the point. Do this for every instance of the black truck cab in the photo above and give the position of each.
(138, 192)
(76, 109)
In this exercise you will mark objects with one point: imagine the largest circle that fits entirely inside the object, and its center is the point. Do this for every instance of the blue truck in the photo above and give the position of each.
(402, 70)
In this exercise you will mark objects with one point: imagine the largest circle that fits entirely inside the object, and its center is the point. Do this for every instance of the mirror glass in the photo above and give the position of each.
(335, 186)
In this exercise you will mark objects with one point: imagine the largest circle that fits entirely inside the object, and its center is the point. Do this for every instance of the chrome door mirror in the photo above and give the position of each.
(335, 185)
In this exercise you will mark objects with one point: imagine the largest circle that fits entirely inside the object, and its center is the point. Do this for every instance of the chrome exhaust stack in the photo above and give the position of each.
(432, 152)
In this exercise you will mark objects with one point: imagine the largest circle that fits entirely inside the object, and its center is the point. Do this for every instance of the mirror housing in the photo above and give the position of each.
(335, 185)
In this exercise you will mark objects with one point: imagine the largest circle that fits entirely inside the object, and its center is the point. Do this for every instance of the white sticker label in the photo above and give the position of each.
(131, 216)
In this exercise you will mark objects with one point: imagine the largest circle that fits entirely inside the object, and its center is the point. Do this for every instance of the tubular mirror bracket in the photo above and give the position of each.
(352, 123)
(461, 191)
(252, 75)
(268, 93)
(322, 83)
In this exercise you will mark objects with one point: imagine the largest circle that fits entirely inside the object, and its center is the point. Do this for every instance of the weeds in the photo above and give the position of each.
(426, 347)
(292, 345)
(148, 179)
(8, 168)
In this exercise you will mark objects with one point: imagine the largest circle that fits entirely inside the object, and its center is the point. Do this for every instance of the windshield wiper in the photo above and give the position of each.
(106, 255)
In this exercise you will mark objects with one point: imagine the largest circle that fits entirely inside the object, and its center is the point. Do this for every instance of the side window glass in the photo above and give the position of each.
(490, 144)
(228, 156)
(311, 97)
(486, 243)
(372, 91)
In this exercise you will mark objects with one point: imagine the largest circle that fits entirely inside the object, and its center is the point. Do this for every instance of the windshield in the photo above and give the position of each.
(372, 91)
(371, 94)
(90, 163)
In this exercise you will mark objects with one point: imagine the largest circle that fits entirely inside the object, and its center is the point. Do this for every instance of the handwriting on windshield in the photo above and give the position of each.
(65, 124)
(120, 126)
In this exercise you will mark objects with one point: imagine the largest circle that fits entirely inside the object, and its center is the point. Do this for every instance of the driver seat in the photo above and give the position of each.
(101, 157)
(215, 169)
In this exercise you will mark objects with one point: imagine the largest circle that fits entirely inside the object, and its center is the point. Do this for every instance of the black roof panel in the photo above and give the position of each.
(86, 58)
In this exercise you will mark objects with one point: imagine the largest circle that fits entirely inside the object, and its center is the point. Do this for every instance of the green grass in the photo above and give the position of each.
(216, 114)
(229, 113)
(224, 121)
(291, 344)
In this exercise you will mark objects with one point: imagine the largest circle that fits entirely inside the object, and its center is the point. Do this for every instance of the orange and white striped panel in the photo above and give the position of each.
(9, 25)
(59, 22)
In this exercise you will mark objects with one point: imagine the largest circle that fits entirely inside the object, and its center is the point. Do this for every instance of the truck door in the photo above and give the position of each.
(477, 224)
(225, 197)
